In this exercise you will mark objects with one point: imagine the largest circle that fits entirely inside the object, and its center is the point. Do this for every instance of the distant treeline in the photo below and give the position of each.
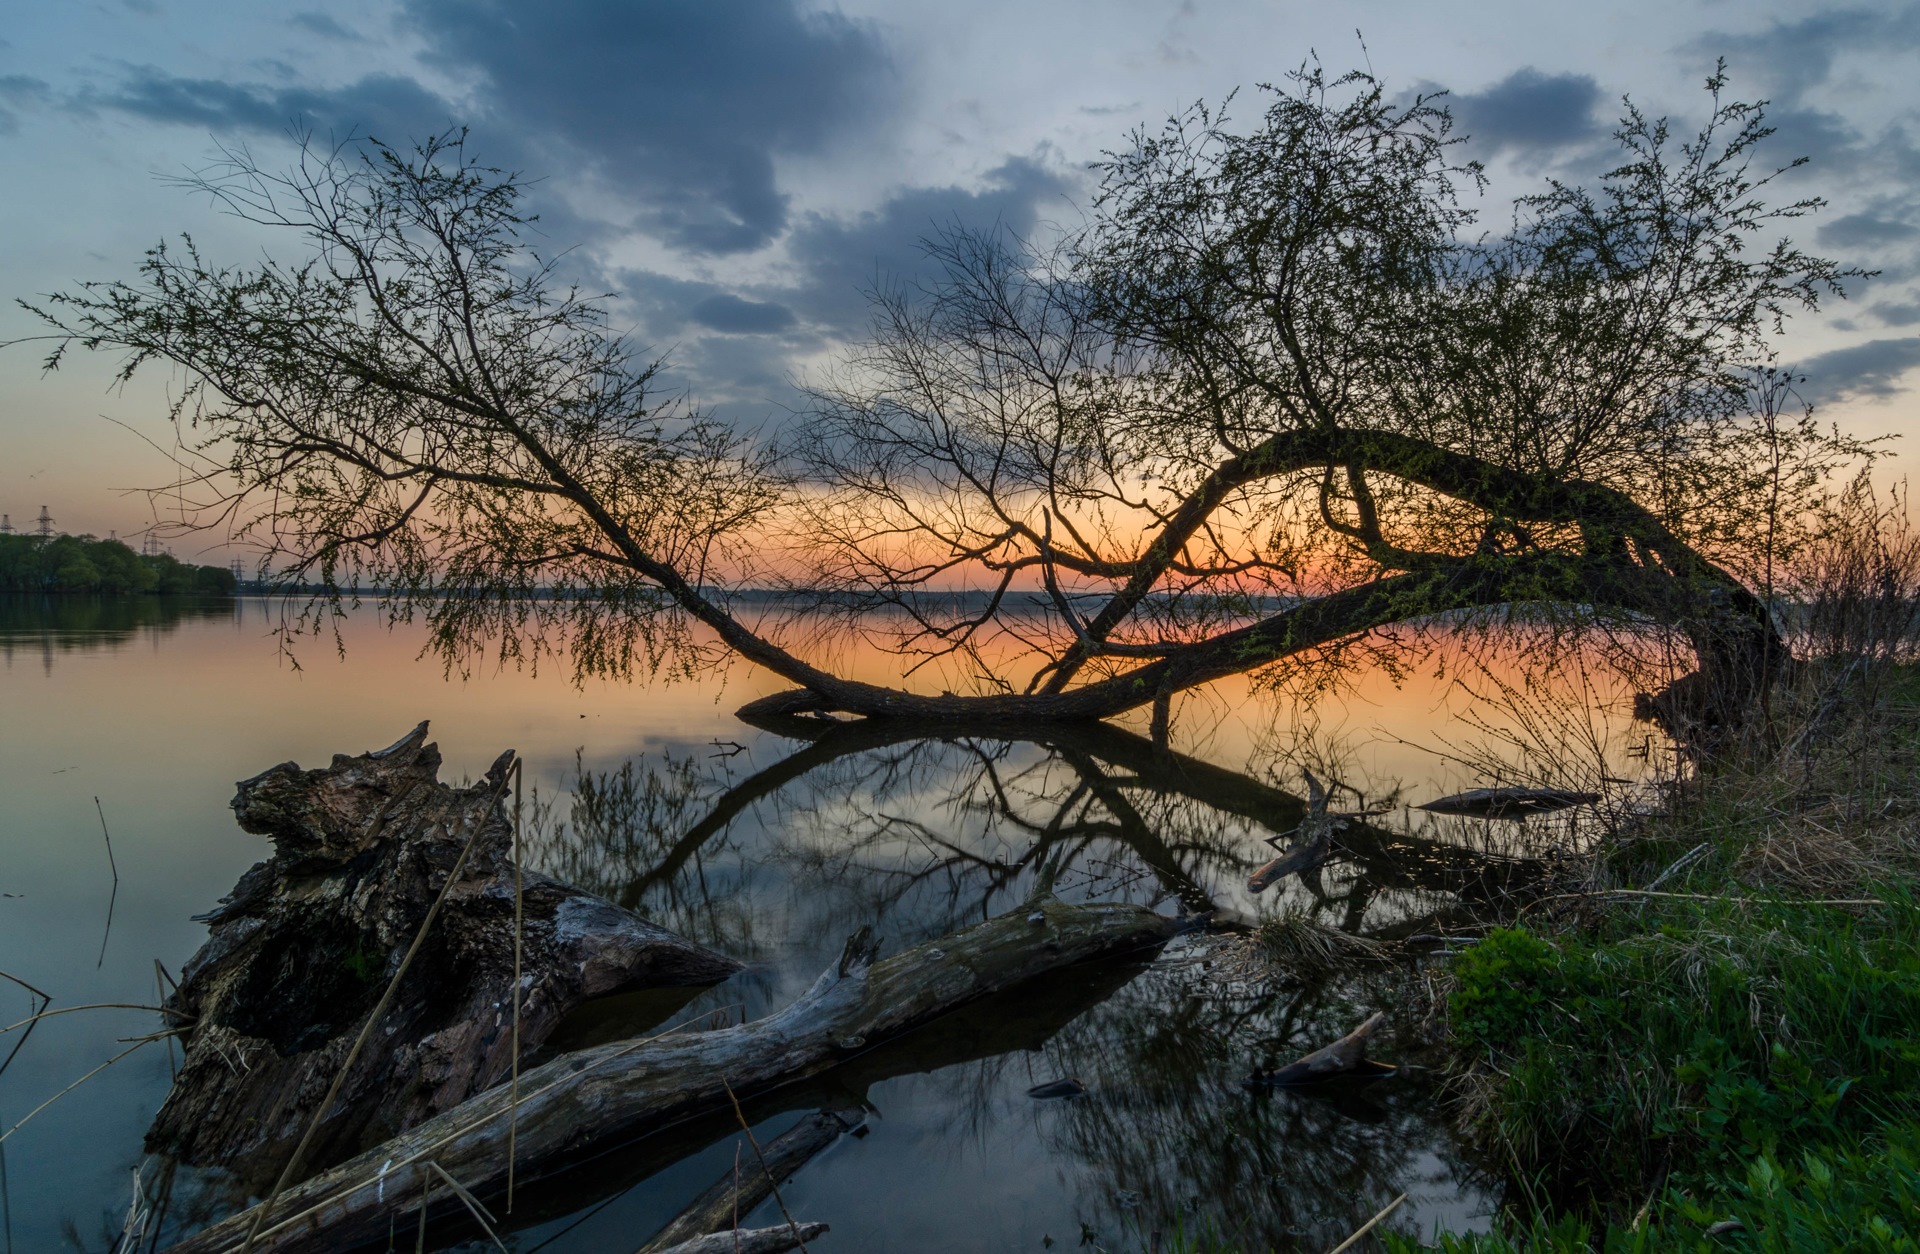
(84, 564)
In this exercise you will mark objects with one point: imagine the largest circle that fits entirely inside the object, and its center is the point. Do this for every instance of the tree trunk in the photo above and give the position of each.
(300, 954)
(593, 1099)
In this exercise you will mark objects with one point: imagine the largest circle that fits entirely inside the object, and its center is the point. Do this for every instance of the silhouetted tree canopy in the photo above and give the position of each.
(1282, 390)
(84, 564)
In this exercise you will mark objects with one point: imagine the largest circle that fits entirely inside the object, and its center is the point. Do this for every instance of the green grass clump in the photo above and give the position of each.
(1684, 1046)
(1731, 1062)
(1865, 1199)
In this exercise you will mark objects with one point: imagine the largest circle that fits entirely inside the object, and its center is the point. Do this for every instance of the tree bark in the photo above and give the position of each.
(301, 952)
(593, 1099)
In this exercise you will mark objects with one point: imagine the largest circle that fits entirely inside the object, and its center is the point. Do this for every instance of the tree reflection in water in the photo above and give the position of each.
(924, 830)
(47, 626)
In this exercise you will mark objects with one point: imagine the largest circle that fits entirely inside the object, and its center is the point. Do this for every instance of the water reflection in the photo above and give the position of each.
(929, 833)
(43, 626)
(774, 852)
(939, 831)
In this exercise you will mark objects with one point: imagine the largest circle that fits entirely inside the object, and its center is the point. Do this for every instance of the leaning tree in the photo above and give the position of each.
(1280, 392)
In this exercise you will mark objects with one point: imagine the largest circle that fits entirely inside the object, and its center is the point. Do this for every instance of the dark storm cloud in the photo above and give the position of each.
(1872, 369)
(684, 105)
(679, 110)
(390, 106)
(1529, 110)
(846, 258)
(1897, 314)
(745, 371)
(736, 316)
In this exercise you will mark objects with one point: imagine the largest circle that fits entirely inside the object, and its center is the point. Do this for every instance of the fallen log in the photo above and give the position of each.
(1509, 803)
(591, 1100)
(751, 1240)
(720, 1208)
(300, 954)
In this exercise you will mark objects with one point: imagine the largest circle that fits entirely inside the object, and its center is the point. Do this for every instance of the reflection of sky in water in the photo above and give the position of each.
(773, 853)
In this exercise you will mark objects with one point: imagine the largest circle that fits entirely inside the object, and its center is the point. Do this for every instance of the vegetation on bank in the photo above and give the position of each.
(84, 564)
(1731, 1060)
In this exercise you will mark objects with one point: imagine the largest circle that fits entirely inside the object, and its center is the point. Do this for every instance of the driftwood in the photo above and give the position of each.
(302, 951)
(720, 1208)
(1346, 1056)
(591, 1100)
(1509, 803)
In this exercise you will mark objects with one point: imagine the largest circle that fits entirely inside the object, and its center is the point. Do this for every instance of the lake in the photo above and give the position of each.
(773, 850)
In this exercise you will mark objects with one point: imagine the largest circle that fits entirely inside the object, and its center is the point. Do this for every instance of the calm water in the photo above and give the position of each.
(773, 850)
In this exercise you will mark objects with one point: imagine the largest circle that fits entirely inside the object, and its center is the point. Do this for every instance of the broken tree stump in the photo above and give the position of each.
(301, 952)
(1311, 843)
(592, 1099)
(1346, 1056)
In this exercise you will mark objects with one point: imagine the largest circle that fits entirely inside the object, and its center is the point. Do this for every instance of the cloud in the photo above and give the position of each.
(1795, 57)
(1863, 230)
(677, 112)
(844, 258)
(1529, 110)
(391, 106)
(321, 24)
(733, 315)
(18, 91)
(1872, 369)
(1896, 314)
(683, 106)
(740, 352)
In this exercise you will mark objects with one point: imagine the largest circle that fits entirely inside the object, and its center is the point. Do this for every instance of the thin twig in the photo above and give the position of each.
(30, 1020)
(113, 898)
(1367, 1227)
(1681, 863)
(519, 925)
(76, 1084)
(111, 864)
(480, 1213)
(45, 1001)
(772, 1184)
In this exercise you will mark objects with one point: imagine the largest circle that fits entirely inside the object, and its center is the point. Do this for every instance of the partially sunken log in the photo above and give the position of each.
(586, 1102)
(720, 1208)
(301, 952)
(1346, 1056)
(1509, 803)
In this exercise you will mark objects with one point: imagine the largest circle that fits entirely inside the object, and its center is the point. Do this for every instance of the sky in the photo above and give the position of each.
(742, 172)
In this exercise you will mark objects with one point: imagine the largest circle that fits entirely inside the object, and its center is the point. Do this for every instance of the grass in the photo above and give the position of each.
(1735, 1066)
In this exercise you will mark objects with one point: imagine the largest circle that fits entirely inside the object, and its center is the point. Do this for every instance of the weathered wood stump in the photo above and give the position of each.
(302, 951)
